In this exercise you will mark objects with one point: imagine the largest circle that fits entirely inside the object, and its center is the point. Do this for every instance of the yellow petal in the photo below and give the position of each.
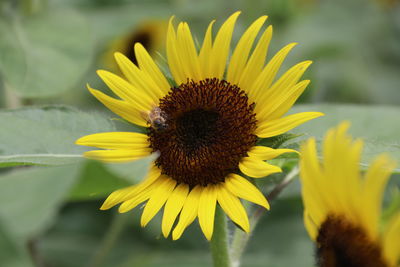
(282, 102)
(375, 182)
(285, 82)
(314, 184)
(391, 244)
(266, 77)
(282, 125)
(221, 46)
(281, 91)
(173, 206)
(157, 199)
(256, 62)
(206, 211)
(242, 188)
(124, 194)
(233, 207)
(174, 61)
(316, 210)
(140, 81)
(189, 212)
(122, 108)
(265, 153)
(341, 172)
(135, 95)
(147, 64)
(256, 168)
(205, 53)
(140, 197)
(118, 155)
(311, 228)
(188, 53)
(240, 54)
(115, 140)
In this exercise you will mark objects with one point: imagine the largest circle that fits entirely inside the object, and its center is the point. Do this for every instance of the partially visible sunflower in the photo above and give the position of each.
(342, 207)
(205, 128)
(150, 33)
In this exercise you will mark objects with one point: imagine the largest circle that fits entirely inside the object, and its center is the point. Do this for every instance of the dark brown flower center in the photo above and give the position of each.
(208, 128)
(343, 244)
(143, 37)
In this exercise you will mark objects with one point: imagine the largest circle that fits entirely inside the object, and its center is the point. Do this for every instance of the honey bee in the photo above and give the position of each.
(157, 119)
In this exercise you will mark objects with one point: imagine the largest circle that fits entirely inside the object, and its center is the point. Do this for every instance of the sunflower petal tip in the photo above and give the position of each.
(291, 45)
(138, 45)
(236, 13)
(102, 73)
(165, 233)
(118, 55)
(266, 205)
(105, 206)
(79, 141)
(263, 18)
(307, 63)
(208, 236)
(122, 209)
(88, 86)
(144, 221)
(176, 235)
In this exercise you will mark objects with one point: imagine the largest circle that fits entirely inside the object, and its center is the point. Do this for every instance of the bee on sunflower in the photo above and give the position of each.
(204, 125)
(342, 206)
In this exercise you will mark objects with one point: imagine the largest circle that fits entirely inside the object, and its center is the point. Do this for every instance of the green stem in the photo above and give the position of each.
(239, 241)
(219, 241)
(110, 239)
(240, 238)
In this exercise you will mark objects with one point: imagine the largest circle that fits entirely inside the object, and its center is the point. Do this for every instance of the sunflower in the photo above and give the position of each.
(205, 125)
(150, 33)
(342, 206)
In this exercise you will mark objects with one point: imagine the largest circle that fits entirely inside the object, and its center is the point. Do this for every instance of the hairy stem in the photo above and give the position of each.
(109, 240)
(219, 241)
(240, 238)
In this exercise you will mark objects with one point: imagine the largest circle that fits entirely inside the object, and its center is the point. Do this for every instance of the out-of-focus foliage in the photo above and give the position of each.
(46, 53)
(50, 49)
(45, 136)
(379, 135)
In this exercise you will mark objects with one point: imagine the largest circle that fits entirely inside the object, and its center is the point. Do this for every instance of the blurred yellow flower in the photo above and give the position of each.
(342, 207)
(205, 126)
(151, 34)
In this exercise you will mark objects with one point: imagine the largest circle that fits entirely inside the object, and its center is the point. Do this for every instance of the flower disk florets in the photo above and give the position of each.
(210, 127)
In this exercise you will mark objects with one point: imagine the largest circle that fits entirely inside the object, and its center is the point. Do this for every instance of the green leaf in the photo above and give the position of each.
(44, 54)
(96, 182)
(377, 125)
(132, 171)
(32, 196)
(277, 141)
(12, 254)
(46, 136)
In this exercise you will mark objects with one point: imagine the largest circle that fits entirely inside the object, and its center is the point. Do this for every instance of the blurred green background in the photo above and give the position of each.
(50, 49)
